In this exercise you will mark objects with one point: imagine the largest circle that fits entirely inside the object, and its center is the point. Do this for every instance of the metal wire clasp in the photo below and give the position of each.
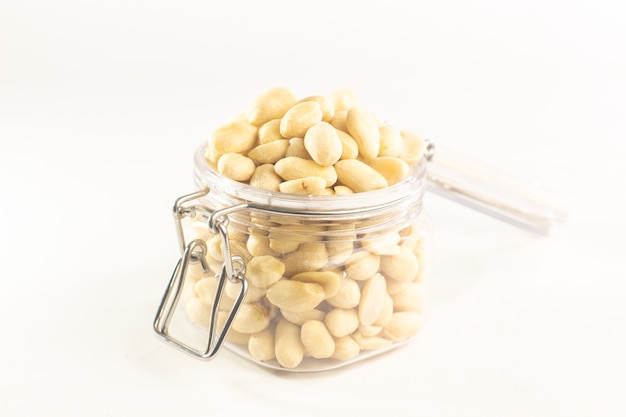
(233, 269)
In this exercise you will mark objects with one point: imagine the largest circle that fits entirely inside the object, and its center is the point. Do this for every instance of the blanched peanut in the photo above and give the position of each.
(349, 147)
(358, 176)
(270, 105)
(343, 99)
(323, 144)
(251, 318)
(339, 248)
(215, 248)
(259, 245)
(390, 141)
(386, 313)
(329, 280)
(413, 147)
(293, 168)
(382, 244)
(370, 331)
(296, 148)
(236, 137)
(411, 299)
(289, 237)
(342, 190)
(233, 335)
(339, 120)
(264, 271)
(316, 339)
(401, 267)
(395, 286)
(327, 107)
(304, 186)
(393, 169)
(206, 289)
(295, 296)
(253, 294)
(269, 132)
(348, 295)
(342, 321)
(373, 297)
(403, 325)
(261, 345)
(301, 317)
(269, 152)
(362, 265)
(364, 129)
(265, 178)
(198, 312)
(310, 256)
(299, 119)
(345, 348)
(236, 166)
(370, 342)
(287, 344)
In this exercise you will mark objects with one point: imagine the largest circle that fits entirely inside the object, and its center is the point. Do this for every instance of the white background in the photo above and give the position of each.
(102, 104)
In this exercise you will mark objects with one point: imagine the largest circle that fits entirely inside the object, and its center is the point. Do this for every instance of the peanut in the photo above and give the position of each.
(293, 168)
(348, 295)
(272, 104)
(270, 152)
(287, 344)
(305, 186)
(370, 342)
(269, 132)
(251, 318)
(236, 137)
(298, 119)
(362, 265)
(261, 345)
(329, 280)
(343, 99)
(316, 339)
(264, 271)
(412, 298)
(265, 178)
(345, 348)
(342, 321)
(323, 144)
(301, 317)
(413, 147)
(296, 148)
(349, 147)
(310, 256)
(390, 141)
(403, 325)
(339, 120)
(358, 176)
(236, 166)
(393, 169)
(295, 296)
(364, 129)
(373, 297)
(401, 266)
(327, 107)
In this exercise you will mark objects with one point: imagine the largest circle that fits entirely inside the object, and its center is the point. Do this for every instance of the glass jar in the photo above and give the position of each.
(295, 282)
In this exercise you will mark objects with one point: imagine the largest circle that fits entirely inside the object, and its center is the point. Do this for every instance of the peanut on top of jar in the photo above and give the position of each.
(318, 145)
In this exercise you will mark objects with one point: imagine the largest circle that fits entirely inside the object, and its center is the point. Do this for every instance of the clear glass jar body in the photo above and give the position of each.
(331, 279)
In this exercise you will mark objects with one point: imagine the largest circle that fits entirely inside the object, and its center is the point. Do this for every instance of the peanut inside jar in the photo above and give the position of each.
(319, 289)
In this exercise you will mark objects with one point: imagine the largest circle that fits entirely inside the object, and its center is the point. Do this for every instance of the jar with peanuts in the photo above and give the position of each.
(314, 282)
(306, 246)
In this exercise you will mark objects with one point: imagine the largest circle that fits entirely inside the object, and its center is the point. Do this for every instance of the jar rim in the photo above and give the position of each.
(411, 188)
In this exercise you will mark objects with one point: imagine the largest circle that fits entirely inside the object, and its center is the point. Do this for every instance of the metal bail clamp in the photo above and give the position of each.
(233, 269)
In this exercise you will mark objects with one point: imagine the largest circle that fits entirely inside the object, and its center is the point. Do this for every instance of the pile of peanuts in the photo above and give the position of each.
(317, 145)
(316, 291)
